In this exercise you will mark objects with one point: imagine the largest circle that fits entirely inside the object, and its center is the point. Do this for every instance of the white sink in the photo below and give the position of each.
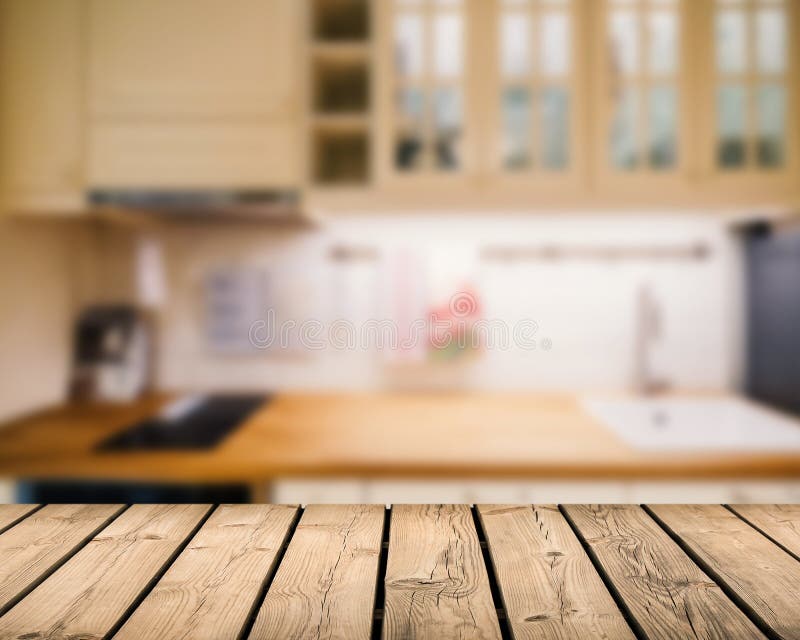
(696, 424)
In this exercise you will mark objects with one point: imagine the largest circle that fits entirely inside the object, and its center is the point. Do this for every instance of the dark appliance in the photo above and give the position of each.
(87, 492)
(193, 423)
(773, 343)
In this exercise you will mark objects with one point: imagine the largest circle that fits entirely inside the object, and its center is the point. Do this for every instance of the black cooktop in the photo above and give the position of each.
(197, 422)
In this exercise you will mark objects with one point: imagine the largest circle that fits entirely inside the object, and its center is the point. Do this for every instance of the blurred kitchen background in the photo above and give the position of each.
(220, 220)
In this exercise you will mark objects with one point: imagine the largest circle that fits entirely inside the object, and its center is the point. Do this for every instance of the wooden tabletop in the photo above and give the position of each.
(411, 571)
(455, 435)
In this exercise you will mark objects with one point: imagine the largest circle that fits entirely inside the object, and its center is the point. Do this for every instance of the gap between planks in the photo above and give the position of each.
(661, 588)
(750, 591)
(259, 601)
(494, 586)
(116, 567)
(12, 514)
(790, 545)
(43, 541)
(160, 573)
(630, 619)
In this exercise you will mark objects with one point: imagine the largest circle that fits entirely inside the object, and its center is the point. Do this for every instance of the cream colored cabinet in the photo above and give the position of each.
(589, 102)
(429, 73)
(752, 88)
(485, 97)
(642, 69)
(428, 77)
(189, 93)
(535, 132)
(196, 154)
(192, 58)
(41, 105)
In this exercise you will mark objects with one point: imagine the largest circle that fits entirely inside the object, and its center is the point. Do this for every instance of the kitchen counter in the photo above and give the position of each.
(390, 435)
(162, 572)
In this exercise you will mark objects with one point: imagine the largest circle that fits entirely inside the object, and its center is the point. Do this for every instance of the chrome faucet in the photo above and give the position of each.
(648, 331)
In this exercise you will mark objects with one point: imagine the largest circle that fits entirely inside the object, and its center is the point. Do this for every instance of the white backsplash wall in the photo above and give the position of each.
(583, 305)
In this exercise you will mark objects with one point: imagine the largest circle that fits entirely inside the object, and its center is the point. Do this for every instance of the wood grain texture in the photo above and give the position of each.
(664, 591)
(29, 550)
(90, 593)
(211, 588)
(549, 587)
(325, 586)
(781, 522)
(436, 582)
(760, 574)
(11, 513)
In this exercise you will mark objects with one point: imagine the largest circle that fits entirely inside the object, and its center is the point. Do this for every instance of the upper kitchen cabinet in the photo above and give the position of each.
(587, 102)
(643, 68)
(428, 90)
(192, 58)
(695, 97)
(485, 99)
(536, 90)
(41, 105)
(189, 93)
(752, 91)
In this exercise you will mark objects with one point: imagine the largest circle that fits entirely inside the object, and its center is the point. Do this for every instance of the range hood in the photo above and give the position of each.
(282, 206)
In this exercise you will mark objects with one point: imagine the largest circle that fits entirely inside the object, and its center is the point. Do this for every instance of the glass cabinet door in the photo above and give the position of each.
(428, 88)
(751, 40)
(535, 69)
(642, 40)
(578, 98)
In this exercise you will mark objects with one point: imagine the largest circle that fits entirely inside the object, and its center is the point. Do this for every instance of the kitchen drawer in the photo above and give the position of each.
(318, 491)
(724, 491)
(8, 491)
(572, 492)
(415, 492)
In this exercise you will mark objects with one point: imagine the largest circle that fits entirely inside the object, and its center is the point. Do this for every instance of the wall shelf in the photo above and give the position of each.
(340, 120)
(340, 85)
(340, 157)
(338, 20)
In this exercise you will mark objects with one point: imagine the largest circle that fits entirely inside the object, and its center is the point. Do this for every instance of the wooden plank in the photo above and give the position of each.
(90, 593)
(325, 586)
(666, 594)
(30, 550)
(10, 514)
(549, 587)
(211, 588)
(436, 582)
(759, 574)
(781, 522)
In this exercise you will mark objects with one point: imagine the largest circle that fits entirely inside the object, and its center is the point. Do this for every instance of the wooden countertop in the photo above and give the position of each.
(369, 435)
(262, 572)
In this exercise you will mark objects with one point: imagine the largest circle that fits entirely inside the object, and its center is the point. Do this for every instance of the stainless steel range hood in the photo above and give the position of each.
(280, 206)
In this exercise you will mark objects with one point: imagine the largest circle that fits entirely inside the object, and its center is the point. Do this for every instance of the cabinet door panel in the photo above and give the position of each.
(193, 58)
(427, 122)
(752, 84)
(641, 88)
(40, 103)
(537, 86)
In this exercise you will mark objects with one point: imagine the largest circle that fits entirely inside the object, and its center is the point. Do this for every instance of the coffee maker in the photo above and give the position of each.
(112, 354)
